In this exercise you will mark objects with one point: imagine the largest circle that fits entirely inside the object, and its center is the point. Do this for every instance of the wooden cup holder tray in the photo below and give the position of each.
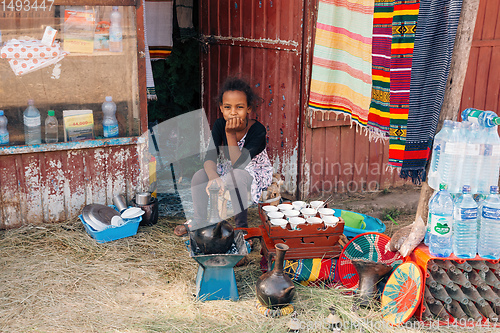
(308, 241)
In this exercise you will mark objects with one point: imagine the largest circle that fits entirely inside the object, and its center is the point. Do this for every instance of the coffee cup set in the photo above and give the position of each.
(300, 212)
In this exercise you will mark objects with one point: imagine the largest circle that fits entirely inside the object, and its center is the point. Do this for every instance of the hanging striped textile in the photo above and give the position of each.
(379, 116)
(437, 27)
(404, 24)
(341, 71)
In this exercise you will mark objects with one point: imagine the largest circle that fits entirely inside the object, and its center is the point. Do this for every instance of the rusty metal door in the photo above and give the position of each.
(261, 40)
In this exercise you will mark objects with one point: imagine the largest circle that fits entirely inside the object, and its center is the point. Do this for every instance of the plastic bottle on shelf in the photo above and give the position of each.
(489, 172)
(109, 122)
(51, 128)
(115, 31)
(472, 157)
(441, 223)
(4, 132)
(449, 166)
(437, 148)
(489, 238)
(32, 124)
(465, 225)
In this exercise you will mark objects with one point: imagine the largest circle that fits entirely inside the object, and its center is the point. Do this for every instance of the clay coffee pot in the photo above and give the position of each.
(218, 236)
(274, 288)
(369, 273)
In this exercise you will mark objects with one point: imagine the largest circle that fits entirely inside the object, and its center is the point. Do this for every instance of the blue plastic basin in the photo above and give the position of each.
(372, 225)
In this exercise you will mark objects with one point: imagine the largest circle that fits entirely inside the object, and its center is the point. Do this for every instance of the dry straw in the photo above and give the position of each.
(55, 278)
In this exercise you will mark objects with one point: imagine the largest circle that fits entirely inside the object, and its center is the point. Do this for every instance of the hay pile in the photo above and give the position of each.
(55, 278)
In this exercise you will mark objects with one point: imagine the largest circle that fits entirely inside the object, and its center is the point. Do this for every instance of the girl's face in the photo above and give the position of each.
(234, 105)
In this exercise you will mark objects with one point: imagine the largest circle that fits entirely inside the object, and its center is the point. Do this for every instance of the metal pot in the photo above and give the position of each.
(215, 238)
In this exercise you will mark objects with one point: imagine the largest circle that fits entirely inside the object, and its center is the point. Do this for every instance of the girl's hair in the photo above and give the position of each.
(237, 84)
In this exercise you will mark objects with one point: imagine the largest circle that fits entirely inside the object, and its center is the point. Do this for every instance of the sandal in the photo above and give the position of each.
(180, 230)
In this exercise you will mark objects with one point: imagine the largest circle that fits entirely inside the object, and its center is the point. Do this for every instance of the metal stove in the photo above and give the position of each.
(215, 279)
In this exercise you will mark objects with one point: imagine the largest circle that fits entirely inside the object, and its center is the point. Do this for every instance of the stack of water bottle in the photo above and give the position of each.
(465, 159)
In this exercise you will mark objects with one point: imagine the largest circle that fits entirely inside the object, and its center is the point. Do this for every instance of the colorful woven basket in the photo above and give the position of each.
(368, 246)
(278, 312)
(402, 294)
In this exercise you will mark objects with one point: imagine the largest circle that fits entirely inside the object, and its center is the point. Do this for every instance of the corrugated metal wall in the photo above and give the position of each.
(271, 43)
(262, 41)
(482, 81)
(338, 159)
(53, 186)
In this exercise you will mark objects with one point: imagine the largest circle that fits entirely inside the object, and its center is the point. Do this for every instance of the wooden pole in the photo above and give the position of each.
(454, 85)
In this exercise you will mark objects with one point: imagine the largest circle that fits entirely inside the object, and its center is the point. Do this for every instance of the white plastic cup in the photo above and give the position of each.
(269, 208)
(331, 221)
(316, 204)
(284, 207)
(298, 205)
(279, 222)
(326, 212)
(291, 213)
(295, 222)
(314, 220)
(308, 212)
(275, 215)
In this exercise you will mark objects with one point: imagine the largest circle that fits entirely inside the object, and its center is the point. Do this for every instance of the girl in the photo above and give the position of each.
(240, 148)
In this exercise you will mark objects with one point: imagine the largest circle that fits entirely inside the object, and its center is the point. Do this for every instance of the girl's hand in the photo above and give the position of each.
(234, 125)
(220, 184)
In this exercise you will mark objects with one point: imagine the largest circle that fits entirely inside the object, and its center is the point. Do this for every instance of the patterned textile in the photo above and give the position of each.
(341, 71)
(437, 22)
(260, 168)
(150, 83)
(379, 116)
(308, 272)
(403, 36)
(159, 21)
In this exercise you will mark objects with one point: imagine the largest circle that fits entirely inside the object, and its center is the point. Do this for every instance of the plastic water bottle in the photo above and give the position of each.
(4, 133)
(428, 231)
(115, 31)
(489, 172)
(32, 124)
(472, 159)
(109, 122)
(489, 238)
(51, 128)
(441, 219)
(489, 119)
(450, 165)
(465, 225)
(480, 201)
(437, 148)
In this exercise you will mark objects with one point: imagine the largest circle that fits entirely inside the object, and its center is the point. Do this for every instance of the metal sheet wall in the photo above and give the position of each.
(270, 42)
(482, 82)
(338, 159)
(262, 41)
(53, 186)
